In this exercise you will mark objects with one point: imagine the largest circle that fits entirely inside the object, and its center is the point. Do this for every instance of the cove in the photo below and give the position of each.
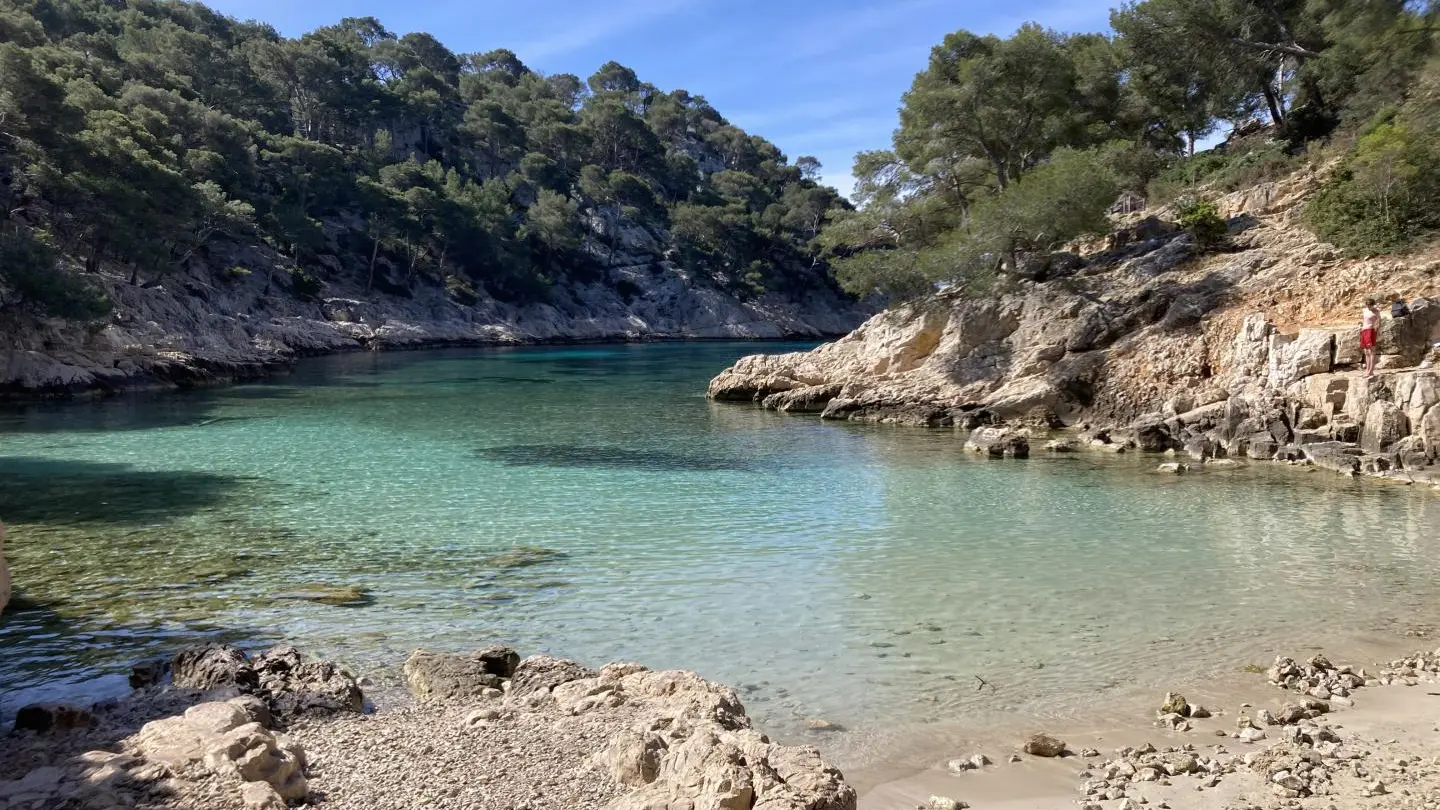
(589, 502)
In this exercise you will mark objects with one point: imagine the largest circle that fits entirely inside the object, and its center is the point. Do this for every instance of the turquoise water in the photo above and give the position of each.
(863, 574)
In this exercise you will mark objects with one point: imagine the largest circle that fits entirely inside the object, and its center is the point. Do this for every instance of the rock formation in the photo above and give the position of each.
(290, 685)
(684, 741)
(1250, 353)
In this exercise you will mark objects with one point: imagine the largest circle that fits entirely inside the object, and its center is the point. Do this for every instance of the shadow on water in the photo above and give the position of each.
(34, 490)
(581, 456)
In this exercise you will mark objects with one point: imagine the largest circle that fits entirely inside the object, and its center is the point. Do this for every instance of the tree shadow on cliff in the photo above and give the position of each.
(63, 491)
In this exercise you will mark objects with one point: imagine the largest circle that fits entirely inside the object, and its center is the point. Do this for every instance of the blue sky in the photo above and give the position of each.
(816, 77)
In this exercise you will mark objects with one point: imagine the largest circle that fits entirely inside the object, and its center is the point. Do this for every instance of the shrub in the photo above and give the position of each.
(304, 284)
(1201, 219)
(1383, 197)
(461, 291)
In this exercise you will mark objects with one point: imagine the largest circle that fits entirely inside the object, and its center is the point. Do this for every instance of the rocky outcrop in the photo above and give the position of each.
(228, 740)
(202, 327)
(289, 684)
(1228, 356)
(680, 741)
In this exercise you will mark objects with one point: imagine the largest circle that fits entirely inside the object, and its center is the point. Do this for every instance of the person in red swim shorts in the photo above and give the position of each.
(1369, 334)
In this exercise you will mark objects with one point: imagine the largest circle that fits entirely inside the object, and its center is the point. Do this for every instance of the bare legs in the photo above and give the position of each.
(1370, 362)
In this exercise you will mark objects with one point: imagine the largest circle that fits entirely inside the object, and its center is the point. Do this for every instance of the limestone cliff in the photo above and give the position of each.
(1252, 351)
(206, 326)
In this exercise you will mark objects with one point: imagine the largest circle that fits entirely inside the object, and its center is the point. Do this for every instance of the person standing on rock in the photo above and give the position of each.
(1369, 334)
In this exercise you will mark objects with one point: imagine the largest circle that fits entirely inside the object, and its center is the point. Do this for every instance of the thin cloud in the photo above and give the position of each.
(587, 31)
(825, 109)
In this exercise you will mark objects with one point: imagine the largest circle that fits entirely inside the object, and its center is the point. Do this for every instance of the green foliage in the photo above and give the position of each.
(141, 134)
(30, 277)
(1201, 219)
(304, 284)
(1007, 145)
(1383, 198)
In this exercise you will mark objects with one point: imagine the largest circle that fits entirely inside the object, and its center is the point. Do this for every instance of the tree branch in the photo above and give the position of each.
(1276, 47)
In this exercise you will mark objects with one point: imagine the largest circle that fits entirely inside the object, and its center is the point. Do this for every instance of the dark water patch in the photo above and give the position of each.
(616, 458)
(54, 491)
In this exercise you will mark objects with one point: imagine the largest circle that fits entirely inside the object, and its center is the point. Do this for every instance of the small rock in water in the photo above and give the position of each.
(943, 803)
(1251, 735)
(1043, 745)
(1089, 752)
(1015, 758)
(816, 724)
(1175, 704)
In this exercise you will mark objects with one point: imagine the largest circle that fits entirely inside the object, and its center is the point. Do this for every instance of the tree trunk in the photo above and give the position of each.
(1276, 114)
(374, 254)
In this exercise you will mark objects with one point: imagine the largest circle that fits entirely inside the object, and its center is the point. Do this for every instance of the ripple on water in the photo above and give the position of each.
(861, 574)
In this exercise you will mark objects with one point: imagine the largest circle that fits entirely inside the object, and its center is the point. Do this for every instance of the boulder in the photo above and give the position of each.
(809, 399)
(437, 676)
(1309, 353)
(293, 686)
(997, 442)
(1341, 457)
(220, 739)
(212, 666)
(1428, 430)
(1152, 435)
(1385, 424)
(148, 673)
(288, 684)
(633, 757)
(737, 770)
(542, 673)
(48, 718)
(1043, 745)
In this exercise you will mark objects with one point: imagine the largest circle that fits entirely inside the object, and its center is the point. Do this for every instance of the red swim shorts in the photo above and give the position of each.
(1367, 338)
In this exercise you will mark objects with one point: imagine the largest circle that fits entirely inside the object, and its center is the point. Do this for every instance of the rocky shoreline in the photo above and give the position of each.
(1142, 343)
(193, 330)
(214, 728)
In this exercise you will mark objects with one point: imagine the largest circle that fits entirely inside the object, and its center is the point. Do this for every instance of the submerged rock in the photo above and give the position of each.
(333, 595)
(522, 557)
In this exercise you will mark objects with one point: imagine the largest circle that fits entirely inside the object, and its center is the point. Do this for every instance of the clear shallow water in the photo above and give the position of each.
(861, 574)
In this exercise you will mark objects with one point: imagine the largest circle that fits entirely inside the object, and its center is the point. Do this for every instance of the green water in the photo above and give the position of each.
(862, 574)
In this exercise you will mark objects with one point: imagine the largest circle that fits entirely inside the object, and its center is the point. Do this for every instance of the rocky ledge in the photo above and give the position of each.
(1140, 343)
(484, 730)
